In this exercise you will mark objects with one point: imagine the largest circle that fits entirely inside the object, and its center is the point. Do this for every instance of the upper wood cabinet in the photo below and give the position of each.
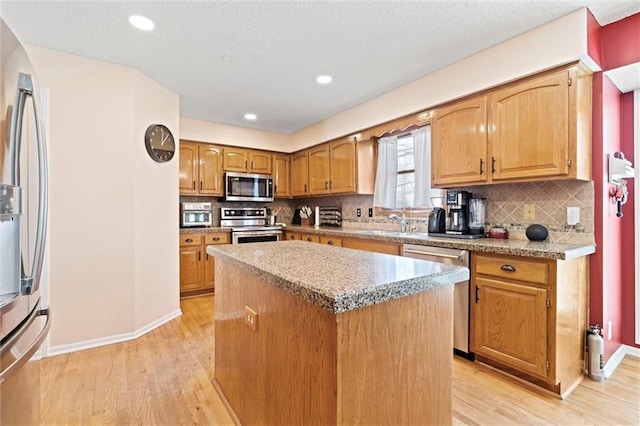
(459, 143)
(537, 128)
(343, 166)
(200, 169)
(300, 174)
(281, 176)
(246, 160)
(319, 170)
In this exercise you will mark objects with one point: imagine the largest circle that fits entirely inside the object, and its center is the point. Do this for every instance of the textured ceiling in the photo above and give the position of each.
(228, 58)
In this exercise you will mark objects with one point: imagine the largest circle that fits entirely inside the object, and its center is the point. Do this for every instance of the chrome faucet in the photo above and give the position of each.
(402, 221)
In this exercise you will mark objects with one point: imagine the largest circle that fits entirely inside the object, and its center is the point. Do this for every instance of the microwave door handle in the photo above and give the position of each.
(26, 87)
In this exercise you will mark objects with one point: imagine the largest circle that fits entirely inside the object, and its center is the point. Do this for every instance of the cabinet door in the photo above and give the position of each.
(190, 268)
(260, 162)
(188, 153)
(459, 143)
(235, 160)
(210, 170)
(319, 170)
(281, 176)
(300, 174)
(511, 324)
(529, 128)
(209, 271)
(343, 167)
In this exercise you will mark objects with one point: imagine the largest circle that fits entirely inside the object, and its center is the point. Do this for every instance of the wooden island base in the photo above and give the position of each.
(389, 363)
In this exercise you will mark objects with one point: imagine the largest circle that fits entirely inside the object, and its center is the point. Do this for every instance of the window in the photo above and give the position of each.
(406, 182)
(403, 177)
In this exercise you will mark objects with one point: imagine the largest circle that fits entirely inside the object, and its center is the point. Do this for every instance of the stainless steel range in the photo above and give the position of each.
(249, 225)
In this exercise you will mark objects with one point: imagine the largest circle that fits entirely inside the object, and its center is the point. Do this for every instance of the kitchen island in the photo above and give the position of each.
(314, 334)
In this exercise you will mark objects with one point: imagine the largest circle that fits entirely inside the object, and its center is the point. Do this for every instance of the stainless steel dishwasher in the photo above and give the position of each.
(460, 293)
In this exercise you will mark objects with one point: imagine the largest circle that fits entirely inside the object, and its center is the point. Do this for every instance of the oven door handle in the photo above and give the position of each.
(256, 234)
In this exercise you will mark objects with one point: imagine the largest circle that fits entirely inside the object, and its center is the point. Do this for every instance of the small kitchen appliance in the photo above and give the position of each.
(477, 212)
(437, 219)
(248, 187)
(458, 205)
(195, 214)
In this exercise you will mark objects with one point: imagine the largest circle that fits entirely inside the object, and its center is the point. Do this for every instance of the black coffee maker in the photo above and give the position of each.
(458, 206)
(437, 219)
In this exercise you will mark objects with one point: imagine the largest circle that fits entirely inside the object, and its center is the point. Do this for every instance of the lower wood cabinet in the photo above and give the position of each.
(528, 317)
(197, 268)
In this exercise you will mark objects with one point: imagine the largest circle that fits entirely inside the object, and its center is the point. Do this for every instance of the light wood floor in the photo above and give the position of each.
(164, 378)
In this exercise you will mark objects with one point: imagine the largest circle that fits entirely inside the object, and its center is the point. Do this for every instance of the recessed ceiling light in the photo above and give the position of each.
(249, 116)
(141, 22)
(324, 79)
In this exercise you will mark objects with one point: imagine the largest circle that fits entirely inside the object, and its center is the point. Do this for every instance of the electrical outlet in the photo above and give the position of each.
(251, 318)
(573, 215)
(530, 211)
(370, 212)
(359, 212)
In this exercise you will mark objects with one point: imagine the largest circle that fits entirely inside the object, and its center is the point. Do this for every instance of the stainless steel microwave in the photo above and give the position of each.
(248, 187)
(195, 214)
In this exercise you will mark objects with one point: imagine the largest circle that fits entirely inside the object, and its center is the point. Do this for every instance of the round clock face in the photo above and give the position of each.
(160, 143)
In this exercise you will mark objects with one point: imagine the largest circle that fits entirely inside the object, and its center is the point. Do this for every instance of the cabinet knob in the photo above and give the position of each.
(330, 242)
(508, 268)
(309, 239)
(292, 237)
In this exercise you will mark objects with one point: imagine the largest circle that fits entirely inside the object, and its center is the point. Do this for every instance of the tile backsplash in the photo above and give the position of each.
(505, 208)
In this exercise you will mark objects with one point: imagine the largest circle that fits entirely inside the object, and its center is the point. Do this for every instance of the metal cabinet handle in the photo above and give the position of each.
(26, 87)
(326, 185)
(309, 239)
(330, 242)
(330, 184)
(508, 268)
(199, 256)
(206, 256)
(305, 187)
(215, 239)
(200, 185)
(493, 164)
(189, 240)
(481, 164)
(193, 185)
(292, 237)
(477, 294)
(251, 165)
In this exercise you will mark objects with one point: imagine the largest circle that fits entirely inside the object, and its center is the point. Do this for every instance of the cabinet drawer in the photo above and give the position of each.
(331, 241)
(513, 268)
(311, 238)
(190, 240)
(216, 238)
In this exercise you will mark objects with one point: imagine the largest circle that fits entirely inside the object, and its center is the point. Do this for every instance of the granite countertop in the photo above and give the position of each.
(335, 278)
(539, 249)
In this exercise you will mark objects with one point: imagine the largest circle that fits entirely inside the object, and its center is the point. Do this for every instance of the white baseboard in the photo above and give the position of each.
(617, 358)
(118, 338)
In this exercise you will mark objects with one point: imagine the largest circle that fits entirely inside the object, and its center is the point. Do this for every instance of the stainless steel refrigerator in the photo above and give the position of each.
(24, 321)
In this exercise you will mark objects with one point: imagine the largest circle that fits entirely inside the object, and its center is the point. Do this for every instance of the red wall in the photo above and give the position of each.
(606, 264)
(628, 247)
(621, 43)
(612, 286)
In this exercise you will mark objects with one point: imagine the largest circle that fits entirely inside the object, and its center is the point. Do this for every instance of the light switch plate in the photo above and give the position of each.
(573, 215)
(251, 318)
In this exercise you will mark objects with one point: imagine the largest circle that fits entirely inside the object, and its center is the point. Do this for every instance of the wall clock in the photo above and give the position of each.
(159, 142)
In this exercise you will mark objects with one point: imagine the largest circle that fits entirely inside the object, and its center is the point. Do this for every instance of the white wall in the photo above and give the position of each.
(205, 131)
(102, 193)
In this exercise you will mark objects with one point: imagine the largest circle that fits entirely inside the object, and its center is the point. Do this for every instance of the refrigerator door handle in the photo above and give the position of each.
(27, 87)
(35, 345)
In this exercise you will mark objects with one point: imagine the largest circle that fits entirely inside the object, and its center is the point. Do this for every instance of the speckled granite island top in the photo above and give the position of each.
(335, 278)
(539, 249)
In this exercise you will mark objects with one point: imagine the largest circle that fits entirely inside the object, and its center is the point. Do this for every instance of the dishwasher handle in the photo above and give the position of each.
(428, 253)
